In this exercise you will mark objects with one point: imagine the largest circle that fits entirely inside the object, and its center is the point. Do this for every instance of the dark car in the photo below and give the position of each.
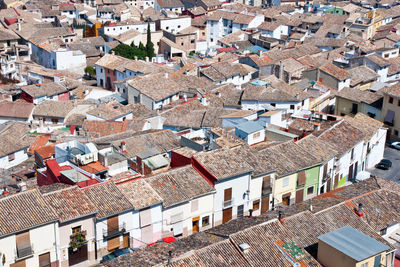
(386, 162)
(382, 166)
(116, 253)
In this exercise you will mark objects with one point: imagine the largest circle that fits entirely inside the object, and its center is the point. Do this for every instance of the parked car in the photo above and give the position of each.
(395, 145)
(386, 162)
(116, 253)
(381, 166)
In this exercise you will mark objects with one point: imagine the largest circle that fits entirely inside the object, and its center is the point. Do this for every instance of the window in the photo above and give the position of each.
(240, 211)
(179, 26)
(256, 205)
(182, 43)
(205, 221)
(291, 106)
(256, 135)
(364, 264)
(167, 27)
(398, 102)
(76, 230)
(273, 104)
(396, 132)
(101, 70)
(211, 40)
(44, 259)
(310, 190)
(352, 154)
(285, 182)
(390, 100)
(11, 157)
(54, 121)
(192, 41)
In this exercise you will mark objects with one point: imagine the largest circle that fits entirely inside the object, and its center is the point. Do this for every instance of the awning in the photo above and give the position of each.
(389, 116)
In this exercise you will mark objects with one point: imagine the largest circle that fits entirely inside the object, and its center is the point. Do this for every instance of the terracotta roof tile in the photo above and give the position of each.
(23, 211)
(107, 199)
(70, 203)
(139, 193)
(179, 185)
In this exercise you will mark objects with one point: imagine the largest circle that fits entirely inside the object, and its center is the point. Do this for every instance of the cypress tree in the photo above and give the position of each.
(149, 44)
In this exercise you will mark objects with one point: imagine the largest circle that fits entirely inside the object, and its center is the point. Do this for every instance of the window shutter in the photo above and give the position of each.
(228, 194)
(44, 259)
(112, 224)
(266, 185)
(23, 240)
(301, 178)
(113, 243)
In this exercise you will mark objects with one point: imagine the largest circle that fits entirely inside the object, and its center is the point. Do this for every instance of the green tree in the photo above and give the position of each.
(124, 50)
(149, 44)
(90, 71)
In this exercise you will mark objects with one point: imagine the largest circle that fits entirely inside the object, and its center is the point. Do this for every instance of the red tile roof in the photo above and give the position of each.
(94, 167)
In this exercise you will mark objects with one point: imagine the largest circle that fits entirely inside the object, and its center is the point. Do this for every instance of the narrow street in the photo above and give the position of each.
(394, 172)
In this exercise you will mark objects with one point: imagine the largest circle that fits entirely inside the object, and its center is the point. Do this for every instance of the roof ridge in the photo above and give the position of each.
(59, 190)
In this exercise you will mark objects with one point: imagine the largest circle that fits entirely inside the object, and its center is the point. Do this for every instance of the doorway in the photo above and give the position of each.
(226, 215)
(195, 224)
(286, 201)
(299, 195)
(264, 204)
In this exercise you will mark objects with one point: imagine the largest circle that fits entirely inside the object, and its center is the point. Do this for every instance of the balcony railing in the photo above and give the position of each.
(227, 203)
(110, 233)
(24, 252)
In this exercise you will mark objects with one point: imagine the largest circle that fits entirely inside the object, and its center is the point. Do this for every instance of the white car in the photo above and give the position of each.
(395, 145)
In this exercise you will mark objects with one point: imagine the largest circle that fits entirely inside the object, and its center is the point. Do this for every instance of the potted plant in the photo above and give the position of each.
(77, 240)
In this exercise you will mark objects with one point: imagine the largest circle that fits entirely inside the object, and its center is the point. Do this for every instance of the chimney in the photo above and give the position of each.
(166, 75)
(136, 58)
(5, 191)
(280, 70)
(169, 258)
(280, 216)
(123, 147)
(316, 127)
(22, 186)
(147, 59)
(18, 26)
(359, 211)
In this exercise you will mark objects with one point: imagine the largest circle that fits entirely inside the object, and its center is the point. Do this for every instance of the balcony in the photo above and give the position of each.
(23, 252)
(110, 233)
(227, 203)
(326, 178)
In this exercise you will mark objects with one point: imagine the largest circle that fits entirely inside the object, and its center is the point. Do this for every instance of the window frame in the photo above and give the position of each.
(207, 219)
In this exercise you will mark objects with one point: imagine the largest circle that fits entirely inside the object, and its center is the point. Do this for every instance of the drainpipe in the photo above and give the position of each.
(95, 239)
(55, 237)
